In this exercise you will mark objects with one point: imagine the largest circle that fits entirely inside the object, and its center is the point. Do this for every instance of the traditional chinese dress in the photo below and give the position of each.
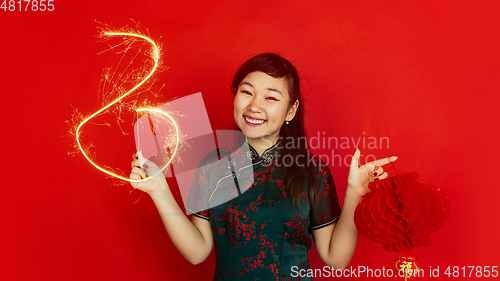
(259, 234)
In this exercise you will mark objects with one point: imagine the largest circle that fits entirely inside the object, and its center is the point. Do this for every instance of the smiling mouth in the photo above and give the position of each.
(253, 121)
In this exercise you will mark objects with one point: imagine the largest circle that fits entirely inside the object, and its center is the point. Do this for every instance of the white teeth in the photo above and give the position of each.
(254, 121)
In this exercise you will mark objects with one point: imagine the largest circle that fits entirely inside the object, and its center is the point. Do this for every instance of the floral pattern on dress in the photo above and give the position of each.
(259, 233)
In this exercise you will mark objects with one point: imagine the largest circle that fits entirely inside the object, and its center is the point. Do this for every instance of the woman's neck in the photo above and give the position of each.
(261, 144)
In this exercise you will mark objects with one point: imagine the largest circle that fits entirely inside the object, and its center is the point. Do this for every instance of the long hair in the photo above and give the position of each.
(294, 167)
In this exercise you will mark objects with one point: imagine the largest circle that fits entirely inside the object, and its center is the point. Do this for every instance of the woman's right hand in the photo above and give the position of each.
(143, 168)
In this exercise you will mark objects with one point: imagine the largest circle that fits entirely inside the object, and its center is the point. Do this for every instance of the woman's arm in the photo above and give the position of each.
(337, 242)
(192, 238)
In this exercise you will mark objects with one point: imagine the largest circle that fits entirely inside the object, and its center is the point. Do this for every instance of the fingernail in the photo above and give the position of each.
(375, 174)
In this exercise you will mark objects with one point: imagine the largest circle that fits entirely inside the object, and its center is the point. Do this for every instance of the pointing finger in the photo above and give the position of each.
(383, 161)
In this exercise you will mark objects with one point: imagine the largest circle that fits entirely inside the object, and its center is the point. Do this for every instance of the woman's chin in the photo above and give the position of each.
(259, 137)
(255, 133)
(252, 135)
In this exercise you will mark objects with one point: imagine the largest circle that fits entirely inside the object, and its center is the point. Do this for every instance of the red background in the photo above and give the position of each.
(423, 73)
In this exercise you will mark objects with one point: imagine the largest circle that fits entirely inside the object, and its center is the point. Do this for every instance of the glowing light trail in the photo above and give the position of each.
(155, 56)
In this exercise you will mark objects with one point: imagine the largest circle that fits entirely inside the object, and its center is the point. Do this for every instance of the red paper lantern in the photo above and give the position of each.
(401, 212)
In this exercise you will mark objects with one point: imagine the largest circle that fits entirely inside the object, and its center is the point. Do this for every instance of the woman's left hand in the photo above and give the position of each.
(360, 177)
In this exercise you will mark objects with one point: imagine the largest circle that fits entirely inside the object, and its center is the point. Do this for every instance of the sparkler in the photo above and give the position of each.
(155, 57)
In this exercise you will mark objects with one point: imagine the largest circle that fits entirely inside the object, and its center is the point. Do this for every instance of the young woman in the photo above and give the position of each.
(266, 231)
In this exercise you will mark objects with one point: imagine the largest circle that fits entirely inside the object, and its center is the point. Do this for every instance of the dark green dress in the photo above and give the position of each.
(259, 234)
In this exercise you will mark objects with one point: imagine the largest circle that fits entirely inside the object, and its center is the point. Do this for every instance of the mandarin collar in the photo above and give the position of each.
(267, 156)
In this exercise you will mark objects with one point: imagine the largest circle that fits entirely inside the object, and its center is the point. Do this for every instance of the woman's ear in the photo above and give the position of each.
(292, 110)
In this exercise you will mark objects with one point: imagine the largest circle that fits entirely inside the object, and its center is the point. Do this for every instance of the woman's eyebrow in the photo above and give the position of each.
(274, 90)
(246, 83)
(269, 89)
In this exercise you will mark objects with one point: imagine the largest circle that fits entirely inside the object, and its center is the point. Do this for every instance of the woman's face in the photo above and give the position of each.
(261, 106)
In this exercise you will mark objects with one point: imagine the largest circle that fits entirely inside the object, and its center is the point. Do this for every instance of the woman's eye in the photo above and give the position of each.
(246, 92)
(272, 98)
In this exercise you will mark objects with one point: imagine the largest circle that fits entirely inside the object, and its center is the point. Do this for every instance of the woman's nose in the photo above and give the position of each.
(255, 105)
